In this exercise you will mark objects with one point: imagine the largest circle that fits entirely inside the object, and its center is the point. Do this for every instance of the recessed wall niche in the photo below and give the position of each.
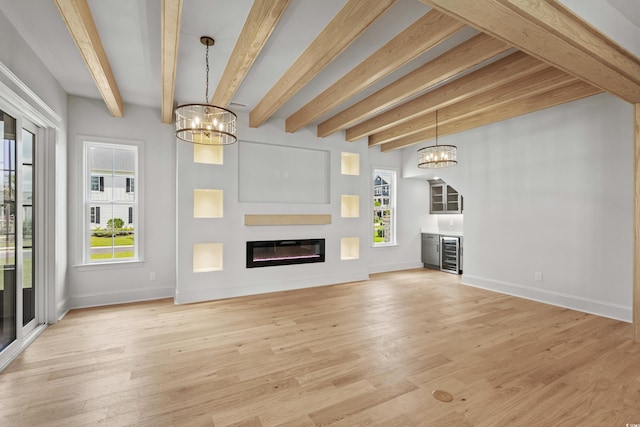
(207, 203)
(210, 154)
(207, 257)
(349, 248)
(350, 163)
(349, 206)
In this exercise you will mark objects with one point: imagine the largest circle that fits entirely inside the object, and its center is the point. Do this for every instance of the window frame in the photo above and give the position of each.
(86, 143)
(392, 199)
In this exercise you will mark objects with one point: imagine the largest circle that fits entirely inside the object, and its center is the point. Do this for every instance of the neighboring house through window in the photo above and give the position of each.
(97, 183)
(95, 215)
(130, 184)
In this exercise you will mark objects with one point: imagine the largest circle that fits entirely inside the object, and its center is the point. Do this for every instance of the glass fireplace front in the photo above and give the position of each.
(284, 252)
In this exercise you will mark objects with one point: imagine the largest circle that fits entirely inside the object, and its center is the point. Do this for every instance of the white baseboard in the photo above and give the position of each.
(62, 309)
(199, 295)
(573, 302)
(96, 300)
(384, 268)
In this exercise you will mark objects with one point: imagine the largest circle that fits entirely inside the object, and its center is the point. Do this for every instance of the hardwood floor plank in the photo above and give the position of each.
(365, 353)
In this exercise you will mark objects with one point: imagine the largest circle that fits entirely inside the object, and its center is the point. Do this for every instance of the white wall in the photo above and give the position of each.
(611, 21)
(234, 278)
(27, 77)
(98, 285)
(549, 192)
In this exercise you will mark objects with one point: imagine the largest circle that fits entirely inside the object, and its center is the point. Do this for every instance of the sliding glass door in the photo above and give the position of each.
(8, 294)
(20, 297)
(29, 289)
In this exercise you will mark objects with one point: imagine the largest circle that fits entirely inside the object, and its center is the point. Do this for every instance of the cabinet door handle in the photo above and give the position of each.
(437, 248)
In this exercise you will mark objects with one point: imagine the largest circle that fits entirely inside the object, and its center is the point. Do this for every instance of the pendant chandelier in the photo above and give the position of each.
(437, 156)
(206, 124)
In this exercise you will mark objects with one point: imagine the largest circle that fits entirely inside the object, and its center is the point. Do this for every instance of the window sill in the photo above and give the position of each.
(386, 245)
(109, 265)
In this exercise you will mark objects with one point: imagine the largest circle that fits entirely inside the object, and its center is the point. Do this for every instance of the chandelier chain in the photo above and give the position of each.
(436, 128)
(206, 92)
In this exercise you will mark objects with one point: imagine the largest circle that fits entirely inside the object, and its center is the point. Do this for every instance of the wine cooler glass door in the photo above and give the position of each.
(449, 254)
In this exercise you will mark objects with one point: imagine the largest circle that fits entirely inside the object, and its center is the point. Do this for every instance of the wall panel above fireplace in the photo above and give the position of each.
(270, 173)
(287, 219)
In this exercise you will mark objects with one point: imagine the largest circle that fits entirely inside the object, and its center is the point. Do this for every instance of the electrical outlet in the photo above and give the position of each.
(152, 275)
(538, 276)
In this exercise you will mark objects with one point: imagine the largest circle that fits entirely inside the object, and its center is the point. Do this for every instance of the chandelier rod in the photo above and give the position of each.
(436, 128)
(207, 41)
(206, 91)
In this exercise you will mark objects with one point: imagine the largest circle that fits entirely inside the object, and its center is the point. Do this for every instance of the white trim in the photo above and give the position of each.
(393, 190)
(109, 265)
(573, 302)
(48, 140)
(27, 108)
(47, 180)
(97, 300)
(62, 309)
(83, 189)
(384, 268)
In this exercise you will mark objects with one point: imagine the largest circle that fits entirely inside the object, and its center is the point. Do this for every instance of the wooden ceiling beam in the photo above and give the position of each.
(552, 33)
(462, 57)
(636, 224)
(349, 23)
(261, 21)
(171, 19)
(79, 21)
(429, 30)
(388, 125)
(542, 81)
(560, 95)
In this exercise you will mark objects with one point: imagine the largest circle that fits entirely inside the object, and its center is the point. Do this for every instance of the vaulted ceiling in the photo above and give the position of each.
(381, 69)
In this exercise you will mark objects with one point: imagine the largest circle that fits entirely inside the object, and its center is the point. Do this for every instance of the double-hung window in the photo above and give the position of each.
(384, 207)
(111, 230)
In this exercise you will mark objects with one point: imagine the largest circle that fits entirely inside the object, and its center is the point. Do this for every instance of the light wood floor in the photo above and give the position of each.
(367, 353)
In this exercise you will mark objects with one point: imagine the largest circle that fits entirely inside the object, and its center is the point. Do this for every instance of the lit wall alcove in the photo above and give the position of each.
(208, 203)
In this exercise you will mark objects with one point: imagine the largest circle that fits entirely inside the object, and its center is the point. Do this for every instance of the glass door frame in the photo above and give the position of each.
(38, 294)
(25, 119)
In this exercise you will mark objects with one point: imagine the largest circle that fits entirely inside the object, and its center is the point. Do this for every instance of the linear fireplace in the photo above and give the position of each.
(283, 252)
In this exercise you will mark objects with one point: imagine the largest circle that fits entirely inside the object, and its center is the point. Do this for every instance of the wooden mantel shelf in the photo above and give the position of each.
(284, 219)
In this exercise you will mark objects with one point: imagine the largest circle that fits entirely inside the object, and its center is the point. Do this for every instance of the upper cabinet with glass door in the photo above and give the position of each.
(444, 199)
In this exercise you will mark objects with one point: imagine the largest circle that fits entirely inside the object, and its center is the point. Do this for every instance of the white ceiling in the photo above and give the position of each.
(629, 8)
(130, 31)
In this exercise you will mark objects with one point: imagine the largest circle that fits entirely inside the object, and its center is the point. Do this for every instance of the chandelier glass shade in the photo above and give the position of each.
(206, 124)
(437, 156)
